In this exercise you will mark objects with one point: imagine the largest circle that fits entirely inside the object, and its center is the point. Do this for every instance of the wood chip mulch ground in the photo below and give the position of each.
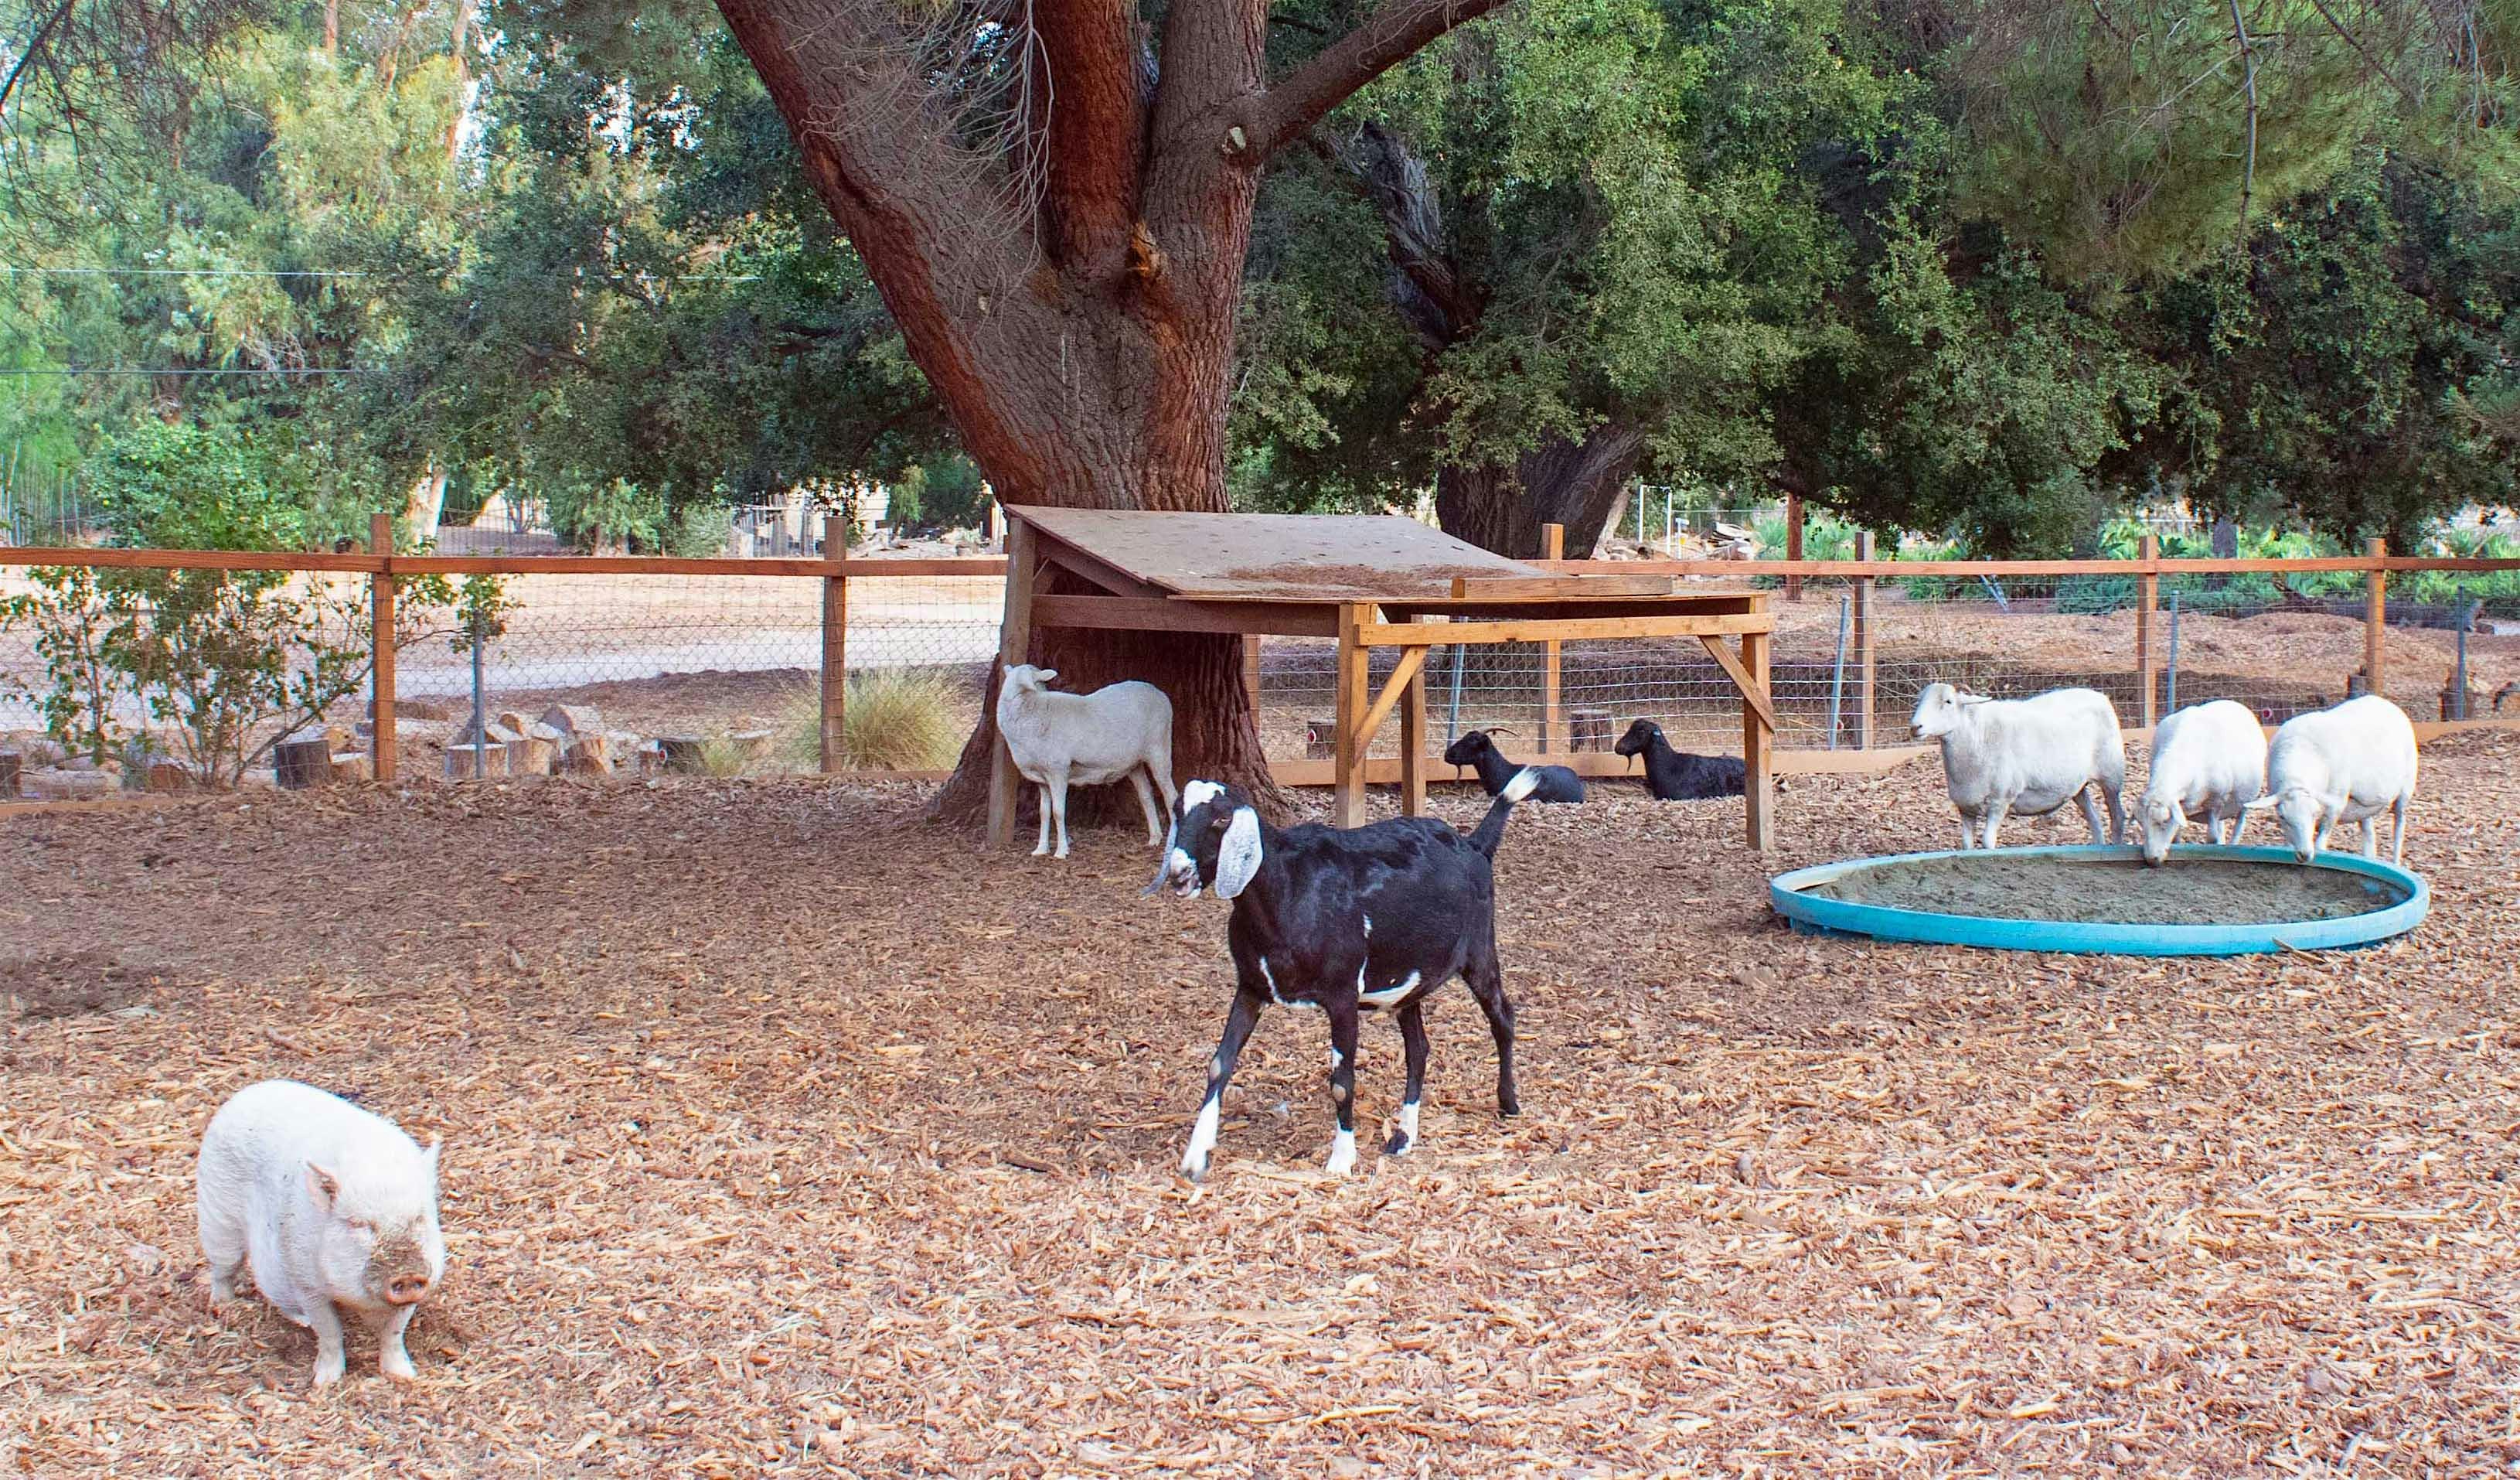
(785, 1133)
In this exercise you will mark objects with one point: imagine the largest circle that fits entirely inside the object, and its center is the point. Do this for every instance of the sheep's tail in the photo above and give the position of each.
(1490, 829)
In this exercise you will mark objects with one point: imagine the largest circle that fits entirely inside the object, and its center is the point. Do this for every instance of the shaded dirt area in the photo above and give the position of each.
(786, 1135)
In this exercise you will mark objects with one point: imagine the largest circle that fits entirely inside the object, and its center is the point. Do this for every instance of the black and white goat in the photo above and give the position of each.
(1677, 775)
(1479, 752)
(1345, 920)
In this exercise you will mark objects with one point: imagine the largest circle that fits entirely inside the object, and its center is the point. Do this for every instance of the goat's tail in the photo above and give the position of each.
(1490, 829)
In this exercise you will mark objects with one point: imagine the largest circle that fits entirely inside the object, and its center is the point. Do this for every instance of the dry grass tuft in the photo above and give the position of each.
(894, 719)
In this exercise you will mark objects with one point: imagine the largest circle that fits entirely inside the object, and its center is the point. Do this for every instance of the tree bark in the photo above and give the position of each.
(1069, 287)
(1577, 485)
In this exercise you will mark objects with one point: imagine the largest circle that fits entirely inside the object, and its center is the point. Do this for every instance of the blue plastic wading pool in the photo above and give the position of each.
(2205, 900)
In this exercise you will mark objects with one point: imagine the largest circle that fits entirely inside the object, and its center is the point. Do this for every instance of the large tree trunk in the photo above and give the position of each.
(1577, 485)
(1065, 260)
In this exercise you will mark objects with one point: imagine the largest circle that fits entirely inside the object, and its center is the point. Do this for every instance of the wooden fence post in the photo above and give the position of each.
(382, 755)
(835, 648)
(1251, 669)
(2147, 596)
(1793, 543)
(1758, 742)
(1355, 694)
(1015, 642)
(1864, 646)
(2375, 619)
(1553, 546)
(1413, 741)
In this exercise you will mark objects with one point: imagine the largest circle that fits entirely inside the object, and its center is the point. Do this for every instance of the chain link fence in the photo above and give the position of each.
(722, 672)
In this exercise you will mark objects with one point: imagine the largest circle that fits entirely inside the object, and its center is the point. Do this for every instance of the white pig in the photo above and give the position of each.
(334, 1208)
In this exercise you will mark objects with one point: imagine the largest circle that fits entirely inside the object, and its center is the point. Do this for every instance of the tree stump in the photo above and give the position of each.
(1588, 729)
(2460, 706)
(1320, 739)
(463, 762)
(170, 776)
(302, 761)
(588, 756)
(573, 721)
(353, 766)
(11, 766)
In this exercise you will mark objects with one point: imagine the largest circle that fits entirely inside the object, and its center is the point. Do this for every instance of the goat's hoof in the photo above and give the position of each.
(1039, 852)
(1195, 1171)
(1398, 1145)
(1509, 1108)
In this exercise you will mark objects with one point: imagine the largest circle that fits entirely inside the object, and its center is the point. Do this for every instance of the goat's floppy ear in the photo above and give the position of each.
(1238, 857)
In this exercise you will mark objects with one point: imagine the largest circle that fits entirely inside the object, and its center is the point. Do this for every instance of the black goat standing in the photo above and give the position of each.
(1479, 752)
(1677, 775)
(1344, 920)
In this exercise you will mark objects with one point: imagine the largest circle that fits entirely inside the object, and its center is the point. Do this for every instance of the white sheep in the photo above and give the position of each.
(2208, 761)
(1061, 740)
(333, 1207)
(2026, 756)
(2348, 762)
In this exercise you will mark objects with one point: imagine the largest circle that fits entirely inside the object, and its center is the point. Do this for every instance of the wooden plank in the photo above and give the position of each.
(2147, 596)
(2375, 620)
(1793, 543)
(1744, 569)
(1553, 545)
(1347, 801)
(1559, 587)
(1274, 557)
(1164, 614)
(836, 657)
(1251, 670)
(1753, 693)
(1015, 643)
(1758, 741)
(1412, 661)
(1085, 566)
(384, 754)
(1413, 739)
(1567, 629)
(188, 560)
(1711, 602)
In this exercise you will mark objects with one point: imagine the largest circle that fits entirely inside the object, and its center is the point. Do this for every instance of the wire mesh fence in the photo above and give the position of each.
(723, 672)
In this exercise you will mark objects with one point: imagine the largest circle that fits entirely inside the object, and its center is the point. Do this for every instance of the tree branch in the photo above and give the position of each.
(1363, 54)
(34, 48)
(2249, 81)
(1091, 128)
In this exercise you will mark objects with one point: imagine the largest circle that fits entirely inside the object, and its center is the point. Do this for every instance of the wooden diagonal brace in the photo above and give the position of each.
(1411, 661)
(1742, 679)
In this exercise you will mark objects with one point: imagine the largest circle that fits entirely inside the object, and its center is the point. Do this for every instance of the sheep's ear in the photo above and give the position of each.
(1977, 699)
(323, 1186)
(1045, 675)
(1238, 857)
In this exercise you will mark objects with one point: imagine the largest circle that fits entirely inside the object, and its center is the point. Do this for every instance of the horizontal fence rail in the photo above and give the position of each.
(699, 647)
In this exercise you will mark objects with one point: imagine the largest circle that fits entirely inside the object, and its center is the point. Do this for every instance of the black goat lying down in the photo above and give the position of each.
(1479, 752)
(1369, 918)
(1677, 775)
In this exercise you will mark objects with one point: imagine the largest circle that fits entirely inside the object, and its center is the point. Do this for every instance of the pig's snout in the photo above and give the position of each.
(407, 1289)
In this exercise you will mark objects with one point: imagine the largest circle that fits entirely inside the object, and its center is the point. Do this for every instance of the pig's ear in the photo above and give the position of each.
(323, 1186)
(429, 1159)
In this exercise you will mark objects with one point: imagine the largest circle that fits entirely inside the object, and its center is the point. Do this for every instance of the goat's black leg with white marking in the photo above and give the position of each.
(1342, 1015)
(1486, 980)
(1413, 1039)
(1239, 1019)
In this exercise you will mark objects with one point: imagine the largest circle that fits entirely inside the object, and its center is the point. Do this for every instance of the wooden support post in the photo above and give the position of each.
(1015, 643)
(380, 657)
(2147, 597)
(836, 651)
(2375, 622)
(1413, 741)
(1347, 800)
(1251, 669)
(1863, 661)
(1793, 543)
(1758, 741)
(1553, 546)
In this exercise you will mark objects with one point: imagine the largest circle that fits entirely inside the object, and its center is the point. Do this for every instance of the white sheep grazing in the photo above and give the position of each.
(2026, 756)
(2208, 761)
(2348, 762)
(334, 1209)
(1062, 740)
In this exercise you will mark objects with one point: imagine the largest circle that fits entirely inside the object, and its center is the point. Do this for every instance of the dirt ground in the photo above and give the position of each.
(787, 1135)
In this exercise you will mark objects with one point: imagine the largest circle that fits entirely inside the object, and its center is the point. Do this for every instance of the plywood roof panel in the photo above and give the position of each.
(1276, 557)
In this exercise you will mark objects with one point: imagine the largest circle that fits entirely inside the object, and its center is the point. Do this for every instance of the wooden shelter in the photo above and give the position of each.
(1369, 581)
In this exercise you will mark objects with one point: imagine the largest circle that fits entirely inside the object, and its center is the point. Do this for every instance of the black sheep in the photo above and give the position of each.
(1344, 921)
(1677, 775)
(1476, 751)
